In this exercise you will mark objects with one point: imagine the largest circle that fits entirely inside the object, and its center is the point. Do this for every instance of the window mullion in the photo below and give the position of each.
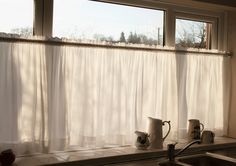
(169, 28)
(38, 17)
(48, 18)
(214, 36)
(43, 17)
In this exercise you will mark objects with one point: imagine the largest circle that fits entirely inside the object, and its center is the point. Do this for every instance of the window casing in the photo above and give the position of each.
(43, 22)
(210, 20)
(43, 19)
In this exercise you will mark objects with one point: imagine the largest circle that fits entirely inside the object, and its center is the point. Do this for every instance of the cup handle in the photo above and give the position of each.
(213, 134)
(202, 127)
(163, 123)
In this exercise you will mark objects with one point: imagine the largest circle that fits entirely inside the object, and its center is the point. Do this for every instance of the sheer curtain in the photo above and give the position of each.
(23, 97)
(73, 97)
(204, 87)
(101, 96)
(207, 90)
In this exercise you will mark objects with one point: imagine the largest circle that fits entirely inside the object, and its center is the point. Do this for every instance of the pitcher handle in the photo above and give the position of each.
(163, 123)
(202, 127)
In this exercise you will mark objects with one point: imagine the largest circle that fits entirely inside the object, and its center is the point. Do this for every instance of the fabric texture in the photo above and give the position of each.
(74, 97)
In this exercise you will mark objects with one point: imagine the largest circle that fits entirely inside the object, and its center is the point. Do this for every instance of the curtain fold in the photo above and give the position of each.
(75, 97)
(104, 95)
(205, 91)
(23, 97)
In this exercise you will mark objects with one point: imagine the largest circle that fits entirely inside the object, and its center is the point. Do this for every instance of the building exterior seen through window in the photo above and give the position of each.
(96, 21)
(193, 34)
(17, 17)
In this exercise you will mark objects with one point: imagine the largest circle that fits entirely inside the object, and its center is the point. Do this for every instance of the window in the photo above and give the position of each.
(193, 34)
(73, 96)
(98, 21)
(16, 17)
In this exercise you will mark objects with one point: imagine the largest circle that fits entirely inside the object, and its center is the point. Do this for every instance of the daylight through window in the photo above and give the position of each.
(98, 21)
(193, 34)
(17, 17)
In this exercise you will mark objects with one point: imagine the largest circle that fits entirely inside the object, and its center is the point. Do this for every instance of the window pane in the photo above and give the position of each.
(89, 20)
(16, 16)
(193, 34)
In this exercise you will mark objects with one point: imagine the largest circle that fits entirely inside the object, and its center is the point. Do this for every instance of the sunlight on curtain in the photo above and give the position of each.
(101, 96)
(203, 91)
(75, 97)
(23, 97)
(205, 88)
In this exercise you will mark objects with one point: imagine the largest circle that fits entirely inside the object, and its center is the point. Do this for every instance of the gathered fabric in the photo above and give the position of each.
(56, 98)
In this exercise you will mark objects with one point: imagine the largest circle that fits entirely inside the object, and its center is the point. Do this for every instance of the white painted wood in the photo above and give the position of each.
(43, 23)
(48, 18)
(43, 17)
(183, 9)
(38, 18)
(170, 28)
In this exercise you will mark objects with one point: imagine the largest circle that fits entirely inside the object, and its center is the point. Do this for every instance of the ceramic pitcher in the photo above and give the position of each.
(194, 129)
(155, 132)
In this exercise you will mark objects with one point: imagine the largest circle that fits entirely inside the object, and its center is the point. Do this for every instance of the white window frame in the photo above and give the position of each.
(43, 22)
(216, 18)
(211, 20)
(43, 18)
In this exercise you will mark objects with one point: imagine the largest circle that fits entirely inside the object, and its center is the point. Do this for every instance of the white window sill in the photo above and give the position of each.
(116, 155)
(88, 43)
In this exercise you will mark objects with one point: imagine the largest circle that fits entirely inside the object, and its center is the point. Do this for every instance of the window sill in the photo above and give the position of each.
(88, 43)
(116, 155)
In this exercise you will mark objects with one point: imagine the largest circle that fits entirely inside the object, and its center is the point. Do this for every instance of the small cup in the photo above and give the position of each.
(7, 157)
(142, 141)
(207, 137)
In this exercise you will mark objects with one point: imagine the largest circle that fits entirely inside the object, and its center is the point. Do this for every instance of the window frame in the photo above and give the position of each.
(206, 19)
(43, 20)
(135, 6)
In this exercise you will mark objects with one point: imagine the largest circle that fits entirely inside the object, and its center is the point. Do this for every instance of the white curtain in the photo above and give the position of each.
(73, 97)
(23, 97)
(206, 89)
(101, 96)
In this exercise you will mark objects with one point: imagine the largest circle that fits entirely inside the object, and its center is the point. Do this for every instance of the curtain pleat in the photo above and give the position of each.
(73, 97)
(23, 97)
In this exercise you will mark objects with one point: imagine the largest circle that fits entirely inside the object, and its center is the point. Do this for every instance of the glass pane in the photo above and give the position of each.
(16, 16)
(193, 34)
(90, 20)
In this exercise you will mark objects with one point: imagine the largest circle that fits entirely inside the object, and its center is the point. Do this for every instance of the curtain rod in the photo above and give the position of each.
(53, 41)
